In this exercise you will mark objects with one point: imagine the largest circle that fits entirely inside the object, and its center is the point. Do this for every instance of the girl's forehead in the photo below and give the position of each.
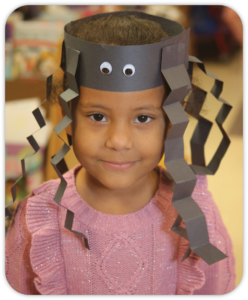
(88, 95)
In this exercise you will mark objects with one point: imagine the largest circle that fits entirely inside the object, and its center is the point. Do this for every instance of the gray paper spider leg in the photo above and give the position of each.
(203, 128)
(198, 141)
(185, 179)
(178, 229)
(41, 122)
(71, 56)
(61, 166)
(215, 162)
(68, 224)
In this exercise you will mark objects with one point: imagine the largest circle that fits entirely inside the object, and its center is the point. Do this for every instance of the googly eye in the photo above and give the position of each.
(106, 68)
(129, 70)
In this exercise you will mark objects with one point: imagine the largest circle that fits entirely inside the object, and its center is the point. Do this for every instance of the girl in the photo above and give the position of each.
(114, 226)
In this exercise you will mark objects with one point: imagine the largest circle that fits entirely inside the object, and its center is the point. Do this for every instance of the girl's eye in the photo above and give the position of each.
(98, 117)
(142, 119)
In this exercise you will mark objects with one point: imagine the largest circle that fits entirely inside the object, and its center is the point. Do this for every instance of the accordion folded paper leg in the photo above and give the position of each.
(33, 143)
(68, 224)
(69, 63)
(203, 128)
(196, 231)
(184, 177)
(61, 166)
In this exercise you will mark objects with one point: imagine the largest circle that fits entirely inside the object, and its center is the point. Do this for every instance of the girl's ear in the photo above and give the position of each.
(68, 128)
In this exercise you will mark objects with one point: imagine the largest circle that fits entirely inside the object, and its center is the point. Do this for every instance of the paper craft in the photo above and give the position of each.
(203, 127)
(41, 122)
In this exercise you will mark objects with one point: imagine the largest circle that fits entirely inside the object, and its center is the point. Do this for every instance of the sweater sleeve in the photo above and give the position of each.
(219, 277)
(18, 270)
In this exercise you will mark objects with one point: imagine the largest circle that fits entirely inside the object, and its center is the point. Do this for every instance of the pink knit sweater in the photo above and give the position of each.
(136, 253)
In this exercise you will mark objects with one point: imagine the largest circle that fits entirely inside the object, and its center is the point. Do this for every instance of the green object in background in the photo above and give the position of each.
(21, 189)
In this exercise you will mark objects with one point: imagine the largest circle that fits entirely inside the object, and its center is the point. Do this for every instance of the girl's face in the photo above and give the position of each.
(118, 137)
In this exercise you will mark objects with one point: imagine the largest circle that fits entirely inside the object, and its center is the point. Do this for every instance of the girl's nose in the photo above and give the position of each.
(119, 137)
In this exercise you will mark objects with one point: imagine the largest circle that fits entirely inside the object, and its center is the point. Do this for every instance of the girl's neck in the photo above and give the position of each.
(116, 202)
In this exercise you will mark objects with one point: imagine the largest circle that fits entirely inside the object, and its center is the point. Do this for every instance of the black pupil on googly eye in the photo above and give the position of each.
(128, 72)
(98, 117)
(105, 70)
(142, 119)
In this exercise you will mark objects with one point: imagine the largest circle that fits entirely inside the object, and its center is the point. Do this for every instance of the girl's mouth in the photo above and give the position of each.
(118, 165)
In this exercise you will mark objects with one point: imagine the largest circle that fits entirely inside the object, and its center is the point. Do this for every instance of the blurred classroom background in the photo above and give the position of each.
(33, 38)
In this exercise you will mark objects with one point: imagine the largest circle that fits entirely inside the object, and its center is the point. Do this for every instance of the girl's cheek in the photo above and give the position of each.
(87, 144)
(152, 144)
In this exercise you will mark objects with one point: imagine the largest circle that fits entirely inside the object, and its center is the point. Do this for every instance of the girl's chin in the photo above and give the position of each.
(116, 179)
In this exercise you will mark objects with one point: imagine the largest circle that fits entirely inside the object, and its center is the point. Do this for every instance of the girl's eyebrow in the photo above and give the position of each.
(89, 105)
(147, 107)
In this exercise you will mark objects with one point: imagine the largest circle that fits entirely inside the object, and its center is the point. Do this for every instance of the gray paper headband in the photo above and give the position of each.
(136, 68)
(142, 61)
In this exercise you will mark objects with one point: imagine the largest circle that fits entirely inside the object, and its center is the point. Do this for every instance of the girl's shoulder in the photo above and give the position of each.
(201, 195)
(41, 226)
(48, 189)
(41, 209)
(54, 183)
(200, 192)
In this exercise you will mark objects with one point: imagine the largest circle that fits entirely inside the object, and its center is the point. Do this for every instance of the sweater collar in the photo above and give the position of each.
(96, 220)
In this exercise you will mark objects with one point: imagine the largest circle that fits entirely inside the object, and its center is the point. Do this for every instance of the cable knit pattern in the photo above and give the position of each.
(132, 254)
